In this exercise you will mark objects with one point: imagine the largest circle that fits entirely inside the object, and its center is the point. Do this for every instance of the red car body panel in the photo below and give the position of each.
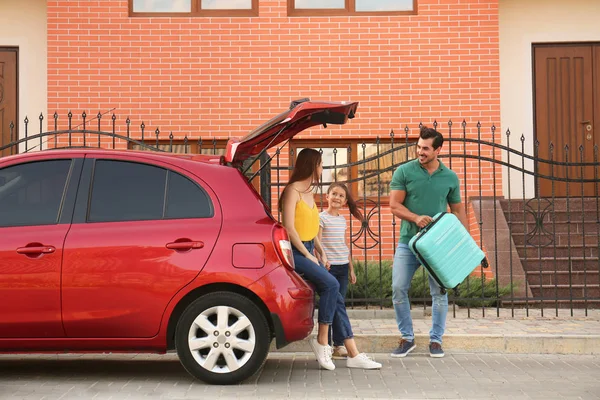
(30, 284)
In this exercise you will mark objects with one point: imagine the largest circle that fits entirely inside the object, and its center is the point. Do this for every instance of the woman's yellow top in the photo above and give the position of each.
(306, 220)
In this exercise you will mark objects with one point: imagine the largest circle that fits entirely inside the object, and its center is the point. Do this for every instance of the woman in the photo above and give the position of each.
(301, 219)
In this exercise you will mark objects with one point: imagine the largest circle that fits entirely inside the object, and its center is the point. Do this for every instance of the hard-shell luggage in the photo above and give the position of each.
(447, 250)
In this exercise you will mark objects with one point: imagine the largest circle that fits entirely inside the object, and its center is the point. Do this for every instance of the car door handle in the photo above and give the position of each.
(185, 245)
(33, 250)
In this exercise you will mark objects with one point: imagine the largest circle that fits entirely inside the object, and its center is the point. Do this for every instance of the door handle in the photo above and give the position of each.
(34, 250)
(188, 245)
(587, 127)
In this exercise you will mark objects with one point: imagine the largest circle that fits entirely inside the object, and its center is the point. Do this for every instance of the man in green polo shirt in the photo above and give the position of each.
(420, 189)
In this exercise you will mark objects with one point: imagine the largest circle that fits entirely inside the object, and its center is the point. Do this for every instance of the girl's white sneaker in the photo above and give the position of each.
(339, 352)
(362, 361)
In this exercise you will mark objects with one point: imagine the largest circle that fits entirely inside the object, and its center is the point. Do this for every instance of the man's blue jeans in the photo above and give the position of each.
(332, 309)
(405, 266)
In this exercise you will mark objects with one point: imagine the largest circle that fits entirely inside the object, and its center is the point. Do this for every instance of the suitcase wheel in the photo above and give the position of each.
(484, 263)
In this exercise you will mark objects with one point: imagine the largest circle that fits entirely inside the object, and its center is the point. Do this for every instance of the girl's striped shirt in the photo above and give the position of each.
(333, 239)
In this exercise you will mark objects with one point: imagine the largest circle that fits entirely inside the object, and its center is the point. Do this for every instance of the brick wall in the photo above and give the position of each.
(221, 77)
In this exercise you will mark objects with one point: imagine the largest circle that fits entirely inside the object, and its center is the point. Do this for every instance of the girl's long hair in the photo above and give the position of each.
(352, 206)
(306, 166)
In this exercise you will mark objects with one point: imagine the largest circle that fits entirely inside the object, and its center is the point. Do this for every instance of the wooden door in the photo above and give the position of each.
(566, 90)
(8, 98)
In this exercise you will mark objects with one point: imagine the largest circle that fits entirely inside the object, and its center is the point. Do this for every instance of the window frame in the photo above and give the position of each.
(355, 147)
(196, 11)
(349, 9)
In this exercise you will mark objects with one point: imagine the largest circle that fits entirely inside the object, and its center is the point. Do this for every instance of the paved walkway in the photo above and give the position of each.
(297, 376)
(487, 358)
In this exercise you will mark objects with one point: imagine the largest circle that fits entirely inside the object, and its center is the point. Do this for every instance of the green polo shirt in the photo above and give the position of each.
(425, 194)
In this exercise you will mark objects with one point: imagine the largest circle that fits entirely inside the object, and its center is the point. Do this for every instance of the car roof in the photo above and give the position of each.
(70, 152)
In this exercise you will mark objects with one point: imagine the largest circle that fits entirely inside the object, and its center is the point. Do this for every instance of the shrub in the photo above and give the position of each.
(375, 282)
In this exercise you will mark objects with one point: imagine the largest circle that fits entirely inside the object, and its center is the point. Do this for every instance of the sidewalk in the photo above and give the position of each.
(376, 331)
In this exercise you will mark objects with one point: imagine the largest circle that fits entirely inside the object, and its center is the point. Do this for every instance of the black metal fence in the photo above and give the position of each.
(533, 207)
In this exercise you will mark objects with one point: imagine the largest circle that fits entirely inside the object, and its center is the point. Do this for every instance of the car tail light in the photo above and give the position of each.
(283, 246)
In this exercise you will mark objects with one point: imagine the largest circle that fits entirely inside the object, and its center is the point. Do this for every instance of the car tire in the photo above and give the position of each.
(222, 338)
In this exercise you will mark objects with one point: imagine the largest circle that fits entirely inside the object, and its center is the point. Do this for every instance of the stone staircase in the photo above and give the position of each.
(558, 244)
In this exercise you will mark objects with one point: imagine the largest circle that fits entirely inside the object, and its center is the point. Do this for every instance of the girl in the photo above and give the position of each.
(301, 219)
(332, 236)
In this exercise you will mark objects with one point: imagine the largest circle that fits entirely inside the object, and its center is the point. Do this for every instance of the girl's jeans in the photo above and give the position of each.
(339, 272)
(332, 310)
(405, 266)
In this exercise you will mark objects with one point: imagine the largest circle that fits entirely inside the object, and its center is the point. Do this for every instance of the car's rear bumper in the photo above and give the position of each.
(290, 302)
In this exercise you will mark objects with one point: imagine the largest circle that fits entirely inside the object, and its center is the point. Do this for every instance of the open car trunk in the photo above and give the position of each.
(301, 115)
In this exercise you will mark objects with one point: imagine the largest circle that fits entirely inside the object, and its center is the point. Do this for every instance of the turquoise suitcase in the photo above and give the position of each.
(447, 250)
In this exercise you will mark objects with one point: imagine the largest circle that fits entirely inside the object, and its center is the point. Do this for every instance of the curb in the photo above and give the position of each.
(457, 343)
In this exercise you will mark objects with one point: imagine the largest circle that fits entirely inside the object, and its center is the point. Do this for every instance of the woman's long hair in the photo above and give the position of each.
(352, 206)
(306, 166)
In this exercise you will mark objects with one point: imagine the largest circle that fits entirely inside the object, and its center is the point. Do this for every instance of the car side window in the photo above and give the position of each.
(130, 191)
(185, 199)
(126, 191)
(32, 193)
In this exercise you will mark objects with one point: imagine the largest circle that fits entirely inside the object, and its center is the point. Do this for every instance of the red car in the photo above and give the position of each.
(112, 251)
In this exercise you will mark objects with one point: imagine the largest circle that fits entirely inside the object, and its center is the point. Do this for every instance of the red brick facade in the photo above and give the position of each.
(221, 77)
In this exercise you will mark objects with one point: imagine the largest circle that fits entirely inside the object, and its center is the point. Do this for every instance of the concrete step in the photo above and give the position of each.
(471, 343)
(551, 264)
(574, 228)
(551, 303)
(590, 204)
(528, 253)
(539, 239)
(563, 277)
(565, 292)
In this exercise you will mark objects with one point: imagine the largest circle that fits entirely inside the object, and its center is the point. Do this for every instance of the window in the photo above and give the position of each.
(228, 8)
(345, 7)
(129, 191)
(366, 169)
(185, 199)
(32, 193)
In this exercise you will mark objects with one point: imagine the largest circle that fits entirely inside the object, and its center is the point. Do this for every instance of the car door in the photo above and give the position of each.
(36, 204)
(144, 232)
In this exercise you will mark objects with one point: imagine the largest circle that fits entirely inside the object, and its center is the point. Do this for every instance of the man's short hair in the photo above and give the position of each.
(430, 133)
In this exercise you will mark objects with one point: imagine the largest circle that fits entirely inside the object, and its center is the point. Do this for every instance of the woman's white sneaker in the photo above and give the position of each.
(323, 354)
(362, 361)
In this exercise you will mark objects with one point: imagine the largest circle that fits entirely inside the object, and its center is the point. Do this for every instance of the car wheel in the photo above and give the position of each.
(222, 338)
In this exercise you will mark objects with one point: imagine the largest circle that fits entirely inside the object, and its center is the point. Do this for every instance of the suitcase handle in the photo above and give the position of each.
(429, 225)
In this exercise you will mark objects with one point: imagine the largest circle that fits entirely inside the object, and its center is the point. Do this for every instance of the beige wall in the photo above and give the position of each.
(23, 24)
(523, 22)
